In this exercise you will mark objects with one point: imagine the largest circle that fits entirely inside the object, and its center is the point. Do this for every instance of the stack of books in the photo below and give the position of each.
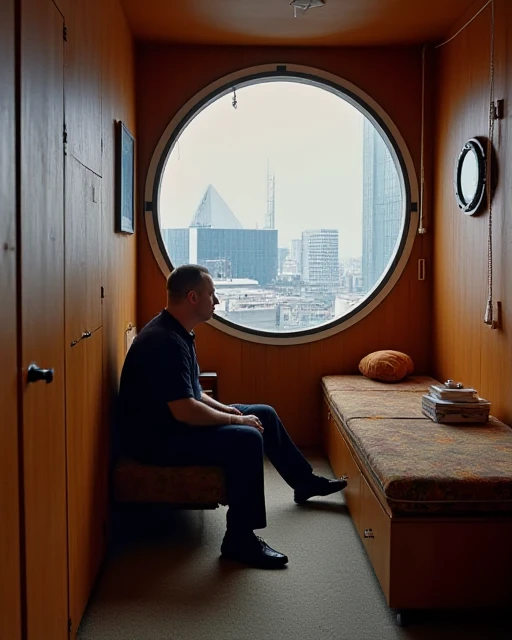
(453, 403)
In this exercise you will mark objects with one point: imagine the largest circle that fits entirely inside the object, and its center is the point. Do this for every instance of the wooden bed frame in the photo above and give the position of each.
(423, 561)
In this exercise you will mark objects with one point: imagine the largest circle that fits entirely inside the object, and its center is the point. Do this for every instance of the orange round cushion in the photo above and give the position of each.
(387, 366)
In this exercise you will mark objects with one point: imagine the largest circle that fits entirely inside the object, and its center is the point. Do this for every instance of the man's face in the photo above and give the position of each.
(205, 299)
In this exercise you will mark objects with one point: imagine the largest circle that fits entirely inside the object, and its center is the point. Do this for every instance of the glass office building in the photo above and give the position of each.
(382, 206)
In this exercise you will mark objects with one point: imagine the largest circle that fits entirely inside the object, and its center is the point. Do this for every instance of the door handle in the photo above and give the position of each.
(35, 374)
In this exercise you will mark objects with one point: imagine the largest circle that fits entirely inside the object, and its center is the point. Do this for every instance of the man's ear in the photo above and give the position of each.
(192, 296)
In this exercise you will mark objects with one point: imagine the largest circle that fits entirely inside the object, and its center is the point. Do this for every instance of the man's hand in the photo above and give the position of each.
(233, 410)
(250, 421)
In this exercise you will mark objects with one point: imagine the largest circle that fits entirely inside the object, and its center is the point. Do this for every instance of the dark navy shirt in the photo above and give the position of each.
(160, 366)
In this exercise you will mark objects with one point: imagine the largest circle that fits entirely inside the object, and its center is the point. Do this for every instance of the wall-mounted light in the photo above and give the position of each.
(301, 6)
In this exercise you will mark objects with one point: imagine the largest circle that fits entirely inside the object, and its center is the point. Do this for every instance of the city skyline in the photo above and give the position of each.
(303, 158)
(214, 212)
(309, 138)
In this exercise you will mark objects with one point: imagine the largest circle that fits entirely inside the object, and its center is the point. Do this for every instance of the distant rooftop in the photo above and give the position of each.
(235, 282)
(214, 213)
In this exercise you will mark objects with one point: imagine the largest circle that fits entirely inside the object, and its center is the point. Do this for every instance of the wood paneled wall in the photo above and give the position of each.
(100, 90)
(83, 82)
(288, 377)
(464, 347)
(10, 595)
(118, 258)
(41, 282)
(100, 272)
(76, 78)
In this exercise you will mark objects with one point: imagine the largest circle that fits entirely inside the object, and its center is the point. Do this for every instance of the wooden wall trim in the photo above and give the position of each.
(10, 579)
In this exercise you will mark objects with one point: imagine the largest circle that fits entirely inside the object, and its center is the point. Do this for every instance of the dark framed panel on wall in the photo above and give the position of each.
(125, 174)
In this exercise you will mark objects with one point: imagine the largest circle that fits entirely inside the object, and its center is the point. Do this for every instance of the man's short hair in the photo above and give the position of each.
(185, 278)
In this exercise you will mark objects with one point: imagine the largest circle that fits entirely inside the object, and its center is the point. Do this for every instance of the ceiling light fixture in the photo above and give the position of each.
(301, 6)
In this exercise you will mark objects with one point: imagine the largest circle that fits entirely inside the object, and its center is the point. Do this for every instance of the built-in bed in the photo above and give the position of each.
(432, 503)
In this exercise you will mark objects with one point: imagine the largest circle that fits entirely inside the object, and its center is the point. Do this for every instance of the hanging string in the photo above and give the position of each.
(235, 101)
(489, 310)
(421, 228)
(465, 25)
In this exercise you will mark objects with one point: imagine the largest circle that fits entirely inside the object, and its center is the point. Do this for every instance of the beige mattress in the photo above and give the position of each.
(421, 466)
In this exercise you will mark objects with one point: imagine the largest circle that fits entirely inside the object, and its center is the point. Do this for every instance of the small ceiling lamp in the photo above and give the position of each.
(301, 6)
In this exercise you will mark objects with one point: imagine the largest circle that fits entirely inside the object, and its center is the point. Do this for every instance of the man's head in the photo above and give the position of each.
(191, 294)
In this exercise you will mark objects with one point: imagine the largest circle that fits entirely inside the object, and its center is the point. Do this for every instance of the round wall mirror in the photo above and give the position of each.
(470, 177)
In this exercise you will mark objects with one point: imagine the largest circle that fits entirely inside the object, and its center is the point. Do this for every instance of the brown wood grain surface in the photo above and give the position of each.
(87, 469)
(64, 6)
(10, 594)
(118, 259)
(267, 22)
(464, 347)
(42, 309)
(376, 535)
(343, 464)
(83, 250)
(83, 82)
(104, 51)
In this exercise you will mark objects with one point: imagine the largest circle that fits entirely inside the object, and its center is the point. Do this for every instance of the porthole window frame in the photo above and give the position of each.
(473, 205)
(353, 95)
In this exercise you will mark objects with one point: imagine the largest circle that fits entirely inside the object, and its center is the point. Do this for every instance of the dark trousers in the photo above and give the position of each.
(240, 451)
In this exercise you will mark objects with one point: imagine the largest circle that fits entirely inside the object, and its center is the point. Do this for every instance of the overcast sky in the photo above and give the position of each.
(312, 142)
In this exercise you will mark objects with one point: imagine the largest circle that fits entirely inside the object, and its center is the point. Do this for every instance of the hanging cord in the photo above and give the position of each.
(465, 25)
(489, 311)
(421, 229)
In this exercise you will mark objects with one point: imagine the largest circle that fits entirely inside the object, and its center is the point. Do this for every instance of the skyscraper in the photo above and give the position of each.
(215, 234)
(176, 242)
(382, 206)
(320, 259)
(296, 254)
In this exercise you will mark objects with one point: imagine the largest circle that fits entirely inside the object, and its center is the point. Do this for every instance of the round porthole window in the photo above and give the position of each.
(470, 177)
(296, 191)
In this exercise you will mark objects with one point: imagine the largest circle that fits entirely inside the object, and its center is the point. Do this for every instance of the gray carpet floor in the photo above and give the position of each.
(163, 581)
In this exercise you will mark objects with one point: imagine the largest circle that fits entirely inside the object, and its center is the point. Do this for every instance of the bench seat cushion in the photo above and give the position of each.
(418, 465)
(187, 485)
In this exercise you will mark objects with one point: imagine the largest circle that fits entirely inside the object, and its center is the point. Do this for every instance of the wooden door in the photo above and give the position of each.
(83, 82)
(42, 319)
(87, 470)
(10, 606)
(83, 251)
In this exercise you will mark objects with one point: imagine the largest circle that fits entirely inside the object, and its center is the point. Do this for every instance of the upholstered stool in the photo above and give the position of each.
(187, 486)
(196, 487)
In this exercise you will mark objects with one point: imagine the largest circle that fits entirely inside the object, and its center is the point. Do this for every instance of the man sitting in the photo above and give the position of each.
(169, 420)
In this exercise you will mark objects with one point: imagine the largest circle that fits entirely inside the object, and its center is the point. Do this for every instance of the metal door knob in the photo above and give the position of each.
(35, 374)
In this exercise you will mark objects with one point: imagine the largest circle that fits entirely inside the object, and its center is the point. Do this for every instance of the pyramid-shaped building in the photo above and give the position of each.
(217, 240)
(214, 213)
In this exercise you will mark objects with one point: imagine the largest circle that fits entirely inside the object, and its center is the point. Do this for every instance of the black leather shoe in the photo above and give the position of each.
(253, 551)
(318, 486)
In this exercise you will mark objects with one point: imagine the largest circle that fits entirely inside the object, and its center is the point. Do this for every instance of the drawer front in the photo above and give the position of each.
(343, 464)
(352, 492)
(376, 535)
(333, 443)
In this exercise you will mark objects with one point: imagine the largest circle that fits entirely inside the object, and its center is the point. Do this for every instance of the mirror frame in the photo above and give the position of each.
(472, 206)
